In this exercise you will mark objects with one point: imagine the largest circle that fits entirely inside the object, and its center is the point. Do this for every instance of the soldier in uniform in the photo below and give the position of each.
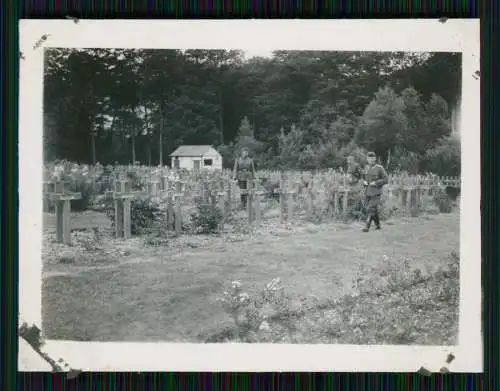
(375, 179)
(243, 172)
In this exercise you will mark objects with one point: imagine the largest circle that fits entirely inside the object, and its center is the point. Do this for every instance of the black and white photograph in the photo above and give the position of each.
(251, 196)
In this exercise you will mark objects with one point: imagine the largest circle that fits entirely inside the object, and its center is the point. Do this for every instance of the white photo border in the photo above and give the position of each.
(418, 35)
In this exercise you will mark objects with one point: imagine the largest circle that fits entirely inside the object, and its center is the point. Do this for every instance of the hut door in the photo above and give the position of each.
(196, 165)
(176, 162)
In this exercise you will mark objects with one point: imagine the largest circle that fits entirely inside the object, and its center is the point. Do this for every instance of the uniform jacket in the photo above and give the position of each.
(244, 169)
(378, 175)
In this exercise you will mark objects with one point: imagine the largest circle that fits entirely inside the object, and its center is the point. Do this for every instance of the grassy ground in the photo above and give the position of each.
(170, 293)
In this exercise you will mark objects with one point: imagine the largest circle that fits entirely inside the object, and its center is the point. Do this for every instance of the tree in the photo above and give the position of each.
(291, 145)
(382, 124)
(445, 158)
(133, 104)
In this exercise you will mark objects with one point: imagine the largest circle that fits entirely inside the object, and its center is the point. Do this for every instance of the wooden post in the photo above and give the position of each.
(205, 192)
(229, 195)
(119, 232)
(63, 229)
(282, 199)
(290, 205)
(178, 216)
(413, 202)
(345, 202)
(170, 212)
(123, 201)
(166, 183)
(63, 198)
(336, 202)
(222, 206)
(154, 188)
(127, 222)
(48, 188)
(257, 207)
(250, 199)
(310, 203)
(402, 197)
(419, 197)
(424, 197)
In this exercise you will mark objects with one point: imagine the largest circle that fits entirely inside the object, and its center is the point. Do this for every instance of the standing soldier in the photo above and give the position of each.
(244, 172)
(375, 179)
(354, 176)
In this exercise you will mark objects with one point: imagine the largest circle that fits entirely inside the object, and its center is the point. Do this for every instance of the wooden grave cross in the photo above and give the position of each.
(154, 188)
(122, 197)
(48, 188)
(290, 199)
(177, 200)
(253, 202)
(221, 203)
(168, 194)
(310, 198)
(62, 198)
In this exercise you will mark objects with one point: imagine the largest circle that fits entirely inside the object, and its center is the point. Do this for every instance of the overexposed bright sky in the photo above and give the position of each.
(249, 53)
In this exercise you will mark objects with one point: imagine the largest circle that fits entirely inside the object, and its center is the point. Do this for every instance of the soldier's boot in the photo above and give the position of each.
(376, 219)
(367, 224)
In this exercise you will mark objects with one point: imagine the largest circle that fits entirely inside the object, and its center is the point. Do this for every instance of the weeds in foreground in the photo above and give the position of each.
(395, 304)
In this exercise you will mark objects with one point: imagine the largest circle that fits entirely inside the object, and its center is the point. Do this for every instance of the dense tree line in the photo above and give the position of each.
(300, 109)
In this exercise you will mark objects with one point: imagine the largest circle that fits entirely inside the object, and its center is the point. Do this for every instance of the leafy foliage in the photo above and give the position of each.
(296, 109)
(144, 213)
(445, 158)
(207, 218)
(442, 201)
(396, 303)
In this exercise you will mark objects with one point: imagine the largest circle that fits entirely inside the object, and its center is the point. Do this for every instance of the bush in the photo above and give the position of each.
(144, 213)
(252, 313)
(206, 219)
(442, 201)
(445, 158)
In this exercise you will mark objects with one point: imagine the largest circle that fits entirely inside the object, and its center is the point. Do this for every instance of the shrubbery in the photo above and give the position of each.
(395, 303)
(442, 201)
(206, 219)
(144, 213)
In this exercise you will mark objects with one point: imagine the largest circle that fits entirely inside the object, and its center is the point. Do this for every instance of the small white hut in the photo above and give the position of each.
(196, 157)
